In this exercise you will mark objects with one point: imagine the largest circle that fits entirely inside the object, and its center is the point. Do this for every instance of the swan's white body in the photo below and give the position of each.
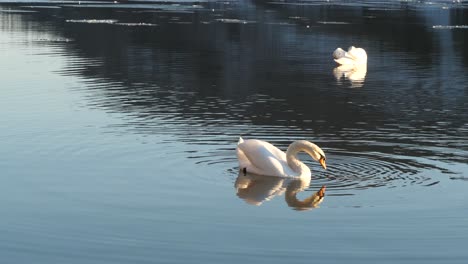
(354, 56)
(261, 157)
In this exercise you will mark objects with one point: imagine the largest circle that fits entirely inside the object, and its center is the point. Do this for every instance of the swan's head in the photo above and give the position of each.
(322, 160)
(339, 53)
(317, 154)
(310, 148)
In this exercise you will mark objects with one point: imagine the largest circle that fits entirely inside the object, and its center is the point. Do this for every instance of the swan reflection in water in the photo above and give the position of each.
(356, 74)
(256, 189)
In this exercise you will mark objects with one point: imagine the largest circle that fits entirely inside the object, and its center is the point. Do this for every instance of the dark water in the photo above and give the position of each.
(119, 124)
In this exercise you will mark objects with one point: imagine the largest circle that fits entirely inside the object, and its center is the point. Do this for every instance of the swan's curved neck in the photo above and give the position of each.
(291, 155)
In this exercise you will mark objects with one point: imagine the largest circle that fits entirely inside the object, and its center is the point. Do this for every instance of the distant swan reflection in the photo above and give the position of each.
(256, 189)
(356, 74)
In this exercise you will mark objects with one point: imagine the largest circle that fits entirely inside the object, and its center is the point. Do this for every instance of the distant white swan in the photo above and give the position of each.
(354, 56)
(260, 157)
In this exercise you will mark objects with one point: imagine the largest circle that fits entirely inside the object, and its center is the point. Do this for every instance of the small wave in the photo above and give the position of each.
(333, 22)
(462, 178)
(111, 22)
(41, 7)
(136, 24)
(234, 21)
(450, 27)
(15, 11)
(295, 3)
(54, 40)
(350, 172)
(181, 22)
(92, 21)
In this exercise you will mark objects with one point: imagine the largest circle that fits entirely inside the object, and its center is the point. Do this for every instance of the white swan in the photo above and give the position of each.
(354, 56)
(261, 157)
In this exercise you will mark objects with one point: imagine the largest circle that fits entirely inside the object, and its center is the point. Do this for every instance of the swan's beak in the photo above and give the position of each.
(322, 162)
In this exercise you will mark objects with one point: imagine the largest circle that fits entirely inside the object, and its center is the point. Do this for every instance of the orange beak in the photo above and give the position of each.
(322, 162)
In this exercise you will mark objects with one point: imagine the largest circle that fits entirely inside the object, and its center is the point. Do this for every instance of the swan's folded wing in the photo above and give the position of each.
(261, 148)
(357, 54)
(244, 161)
(263, 158)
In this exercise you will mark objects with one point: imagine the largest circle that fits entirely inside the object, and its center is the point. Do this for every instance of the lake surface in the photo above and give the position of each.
(119, 124)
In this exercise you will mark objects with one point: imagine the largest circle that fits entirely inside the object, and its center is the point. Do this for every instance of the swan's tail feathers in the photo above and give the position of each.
(240, 140)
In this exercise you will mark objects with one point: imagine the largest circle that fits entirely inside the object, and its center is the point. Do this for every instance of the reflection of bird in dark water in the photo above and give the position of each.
(356, 74)
(255, 189)
(262, 158)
